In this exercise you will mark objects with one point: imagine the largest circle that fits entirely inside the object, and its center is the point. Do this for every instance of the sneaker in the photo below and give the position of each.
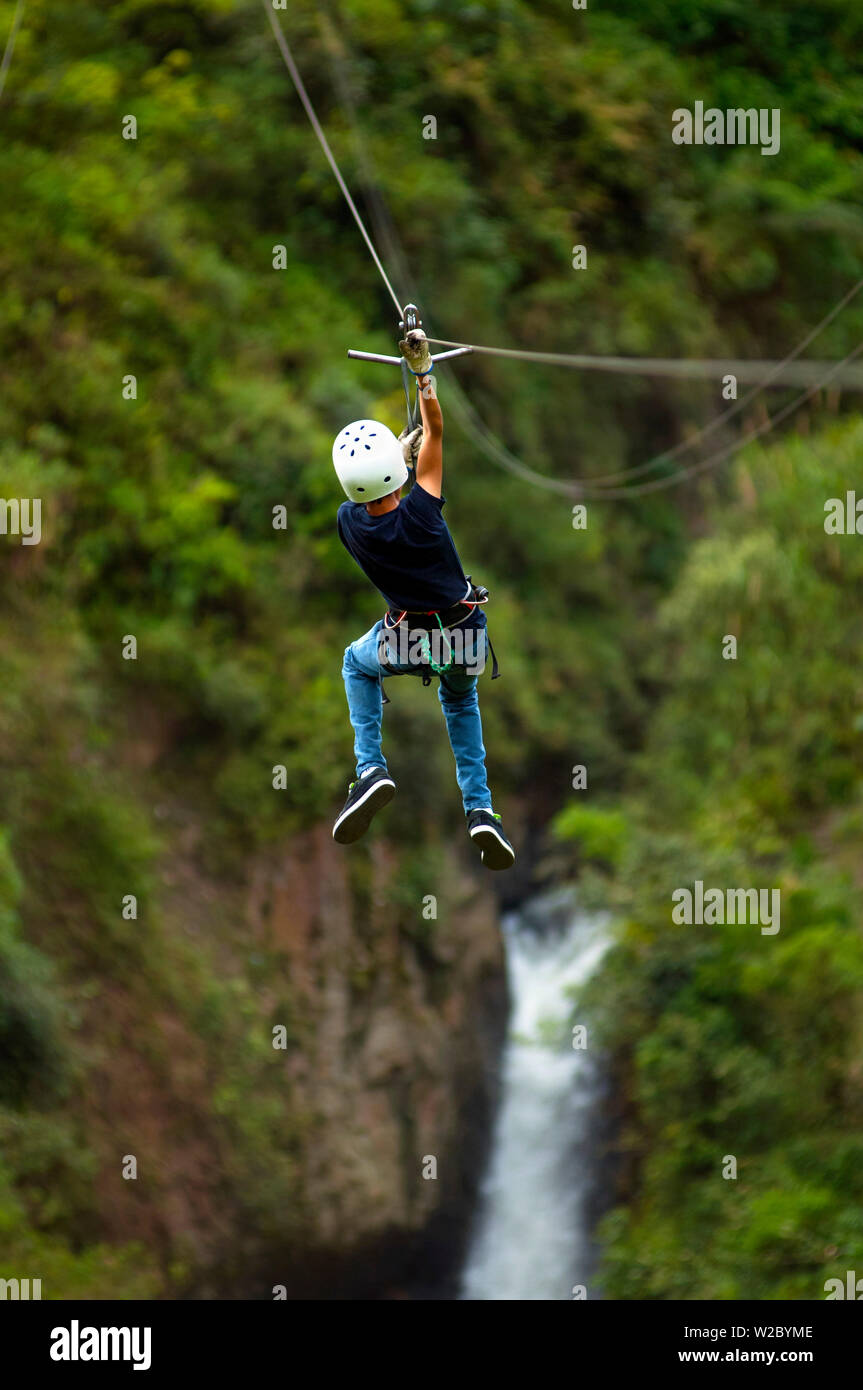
(366, 796)
(486, 831)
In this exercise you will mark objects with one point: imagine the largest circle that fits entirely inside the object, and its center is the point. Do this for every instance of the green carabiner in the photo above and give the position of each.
(425, 648)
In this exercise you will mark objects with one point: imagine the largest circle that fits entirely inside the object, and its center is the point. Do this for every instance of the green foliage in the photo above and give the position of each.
(99, 1271)
(599, 834)
(33, 1069)
(728, 1042)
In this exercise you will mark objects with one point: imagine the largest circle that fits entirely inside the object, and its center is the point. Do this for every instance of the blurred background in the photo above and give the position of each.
(404, 1035)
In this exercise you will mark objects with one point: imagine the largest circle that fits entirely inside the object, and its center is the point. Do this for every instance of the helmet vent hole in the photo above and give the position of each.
(387, 478)
(360, 489)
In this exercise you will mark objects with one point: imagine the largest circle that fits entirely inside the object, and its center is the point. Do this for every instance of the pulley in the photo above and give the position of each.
(410, 319)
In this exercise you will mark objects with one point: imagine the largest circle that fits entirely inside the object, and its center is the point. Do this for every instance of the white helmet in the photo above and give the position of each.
(368, 460)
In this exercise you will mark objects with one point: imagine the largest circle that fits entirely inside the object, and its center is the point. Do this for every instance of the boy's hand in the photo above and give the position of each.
(410, 441)
(415, 350)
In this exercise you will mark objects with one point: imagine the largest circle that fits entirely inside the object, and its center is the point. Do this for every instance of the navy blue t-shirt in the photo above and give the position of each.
(408, 553)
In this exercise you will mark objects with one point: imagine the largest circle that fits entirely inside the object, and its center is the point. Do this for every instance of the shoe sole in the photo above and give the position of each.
(496, 853)
(354, 823)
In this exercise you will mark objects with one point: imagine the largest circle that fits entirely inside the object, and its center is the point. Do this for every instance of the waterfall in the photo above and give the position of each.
(531, 1239)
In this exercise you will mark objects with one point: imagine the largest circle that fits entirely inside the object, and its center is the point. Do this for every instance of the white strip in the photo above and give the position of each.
(382, 782)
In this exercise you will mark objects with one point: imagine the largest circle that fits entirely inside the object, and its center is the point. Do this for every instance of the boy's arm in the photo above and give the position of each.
(429, 470)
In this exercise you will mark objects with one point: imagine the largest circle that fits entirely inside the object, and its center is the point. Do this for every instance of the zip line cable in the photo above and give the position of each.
(689, 369)
(465, 412)
(468, 417)
(610, 479)
(459, 402)
(324, 143)
(695, 368)
(701, 466)
(10, 45)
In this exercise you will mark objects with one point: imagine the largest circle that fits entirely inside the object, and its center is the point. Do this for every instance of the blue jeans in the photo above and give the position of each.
(362, 673)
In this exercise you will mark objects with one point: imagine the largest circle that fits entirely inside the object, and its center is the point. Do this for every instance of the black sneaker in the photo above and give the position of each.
(366, 796)
(486, 831)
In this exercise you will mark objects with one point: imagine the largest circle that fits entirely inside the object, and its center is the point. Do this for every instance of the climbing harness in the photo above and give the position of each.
(443, 620)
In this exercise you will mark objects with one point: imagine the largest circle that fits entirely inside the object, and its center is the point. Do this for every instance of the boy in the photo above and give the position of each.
(406, 550)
